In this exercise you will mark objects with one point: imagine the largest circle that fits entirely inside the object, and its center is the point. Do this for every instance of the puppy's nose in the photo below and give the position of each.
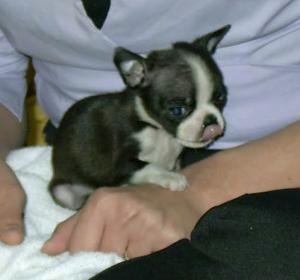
(211, 128)
(210, 120)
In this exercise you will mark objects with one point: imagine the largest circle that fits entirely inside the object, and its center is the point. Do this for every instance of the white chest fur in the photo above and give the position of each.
(158, 147)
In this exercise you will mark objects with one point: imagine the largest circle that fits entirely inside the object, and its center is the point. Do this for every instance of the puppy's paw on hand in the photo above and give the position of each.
(159, 176)
(173, 181)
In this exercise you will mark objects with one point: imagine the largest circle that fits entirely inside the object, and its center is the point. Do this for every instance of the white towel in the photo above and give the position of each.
(25, 261)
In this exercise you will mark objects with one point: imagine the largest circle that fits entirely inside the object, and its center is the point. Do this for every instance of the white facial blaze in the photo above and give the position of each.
(190, 131)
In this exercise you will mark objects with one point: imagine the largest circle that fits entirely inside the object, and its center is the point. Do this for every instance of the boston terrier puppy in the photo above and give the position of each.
(173, 99)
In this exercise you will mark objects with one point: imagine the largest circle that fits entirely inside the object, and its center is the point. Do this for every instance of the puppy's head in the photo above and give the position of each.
(180, 89)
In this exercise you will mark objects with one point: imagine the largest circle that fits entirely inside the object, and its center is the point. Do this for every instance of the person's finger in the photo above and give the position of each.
(87, 233)
(114, 239)
(12, 232)
(59, 241)
(12, 200)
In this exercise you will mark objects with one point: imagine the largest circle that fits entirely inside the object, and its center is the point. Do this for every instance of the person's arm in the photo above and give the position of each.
(11, 132)
(265, 164)
(13, 67)
(137, 220)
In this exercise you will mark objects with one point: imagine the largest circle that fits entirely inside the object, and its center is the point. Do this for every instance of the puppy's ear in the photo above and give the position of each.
(131, 66)
(211, 40)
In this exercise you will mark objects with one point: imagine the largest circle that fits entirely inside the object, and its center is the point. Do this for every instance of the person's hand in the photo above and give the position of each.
(12, 200)
(137, 220)
(131, 221)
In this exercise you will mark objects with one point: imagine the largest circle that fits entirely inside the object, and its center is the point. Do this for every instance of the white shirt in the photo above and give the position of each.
(260, 56)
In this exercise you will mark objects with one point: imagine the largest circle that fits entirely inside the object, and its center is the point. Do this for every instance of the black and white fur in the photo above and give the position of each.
(173, 99)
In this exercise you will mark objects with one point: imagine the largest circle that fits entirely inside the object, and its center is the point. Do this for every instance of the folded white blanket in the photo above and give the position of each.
(25, 261)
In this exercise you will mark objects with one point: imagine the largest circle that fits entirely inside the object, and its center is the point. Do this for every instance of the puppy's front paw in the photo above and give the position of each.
(159, 176)
(173, 181)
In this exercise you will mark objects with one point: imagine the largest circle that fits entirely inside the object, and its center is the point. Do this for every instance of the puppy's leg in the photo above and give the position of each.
(154, 174)
(70, 196)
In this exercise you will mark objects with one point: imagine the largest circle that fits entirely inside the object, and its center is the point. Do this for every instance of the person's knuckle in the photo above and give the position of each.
(58, 228)
(100, 195)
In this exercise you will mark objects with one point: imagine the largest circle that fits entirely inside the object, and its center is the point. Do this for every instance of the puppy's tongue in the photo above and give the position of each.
(211, 131)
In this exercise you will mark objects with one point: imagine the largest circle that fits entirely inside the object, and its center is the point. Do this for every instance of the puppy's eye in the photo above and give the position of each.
(178, 111)
(219, 99)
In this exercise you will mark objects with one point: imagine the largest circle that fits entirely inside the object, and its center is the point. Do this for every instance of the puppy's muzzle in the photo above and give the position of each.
(200, 130)
(210, 129)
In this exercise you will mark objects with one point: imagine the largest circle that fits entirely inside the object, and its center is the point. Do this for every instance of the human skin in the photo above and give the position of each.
(135, 221)
(12, 197)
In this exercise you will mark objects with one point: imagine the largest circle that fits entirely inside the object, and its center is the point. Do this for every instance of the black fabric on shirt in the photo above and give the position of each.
(252, 237)
(97, 10)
